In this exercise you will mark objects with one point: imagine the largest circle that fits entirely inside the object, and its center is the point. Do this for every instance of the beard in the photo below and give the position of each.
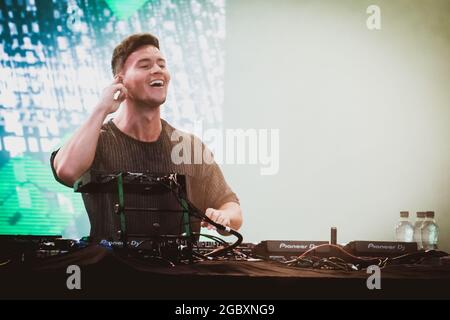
(145, 98)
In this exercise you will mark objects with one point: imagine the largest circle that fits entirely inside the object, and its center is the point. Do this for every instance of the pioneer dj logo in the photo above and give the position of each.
(293, 246)
(381, 246)
(387, 247)
(132, 243)
(135, 243)
(297, 246)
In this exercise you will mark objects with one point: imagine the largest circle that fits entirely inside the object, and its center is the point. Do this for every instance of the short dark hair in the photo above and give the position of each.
(128, 46)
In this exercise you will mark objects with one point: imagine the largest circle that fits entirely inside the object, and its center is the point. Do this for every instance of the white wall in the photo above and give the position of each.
(364, 116)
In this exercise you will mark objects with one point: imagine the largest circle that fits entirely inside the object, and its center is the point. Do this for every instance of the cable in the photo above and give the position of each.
(196, 213)
(331, 263)
(210, 255)
(202, 256)
(415, 257)
(334, 246)
(362, 260)
(142, 258)
(4, 263)
(210, 236)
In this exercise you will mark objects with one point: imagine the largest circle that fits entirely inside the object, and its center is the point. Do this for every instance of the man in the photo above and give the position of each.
(138, 140)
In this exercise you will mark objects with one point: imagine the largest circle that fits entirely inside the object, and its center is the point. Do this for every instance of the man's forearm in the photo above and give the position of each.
(77, 154)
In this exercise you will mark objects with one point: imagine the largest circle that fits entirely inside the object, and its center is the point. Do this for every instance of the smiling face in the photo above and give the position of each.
(146, 77)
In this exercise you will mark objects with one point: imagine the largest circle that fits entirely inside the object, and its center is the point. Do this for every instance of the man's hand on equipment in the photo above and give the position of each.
(218, 216)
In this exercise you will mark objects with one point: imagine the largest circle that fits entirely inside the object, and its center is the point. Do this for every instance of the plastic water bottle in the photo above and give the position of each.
(404, 231)
(418, 229)
(430, 232)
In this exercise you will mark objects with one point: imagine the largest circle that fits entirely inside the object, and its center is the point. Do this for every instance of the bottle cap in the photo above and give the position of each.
(404, 214)
(420, 214)
(430, 214)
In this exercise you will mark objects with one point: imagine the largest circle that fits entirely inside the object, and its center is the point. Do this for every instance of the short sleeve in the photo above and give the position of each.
(218, 192)
(52, 165)
(96, 161)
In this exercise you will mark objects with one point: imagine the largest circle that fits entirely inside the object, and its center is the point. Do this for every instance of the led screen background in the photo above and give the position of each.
(55, 60)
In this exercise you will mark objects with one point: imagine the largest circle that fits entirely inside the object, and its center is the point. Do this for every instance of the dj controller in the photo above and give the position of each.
(29, 250)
